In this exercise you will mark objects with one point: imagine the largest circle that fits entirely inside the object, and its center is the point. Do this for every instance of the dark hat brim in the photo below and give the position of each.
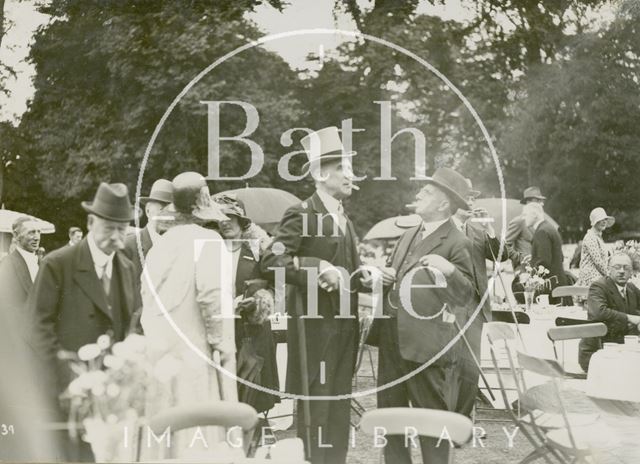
(455, 196)
(244, 220)
(330, 156)
(529, 197)
(144, 200)
(88, 207)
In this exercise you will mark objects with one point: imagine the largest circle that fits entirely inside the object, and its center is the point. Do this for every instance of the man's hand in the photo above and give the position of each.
(329, 277)
(635, 320)
(526, 259)
(484, 221)
(439, 263)
(388, 276)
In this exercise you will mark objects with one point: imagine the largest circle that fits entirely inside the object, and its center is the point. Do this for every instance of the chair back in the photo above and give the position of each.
(508, 316)
(571, 332)
(426, 422)
(562, 321)
(570, 290)
(499, 331)
(218, 413)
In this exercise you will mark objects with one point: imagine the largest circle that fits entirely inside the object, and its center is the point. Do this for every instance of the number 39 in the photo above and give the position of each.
(6, 429)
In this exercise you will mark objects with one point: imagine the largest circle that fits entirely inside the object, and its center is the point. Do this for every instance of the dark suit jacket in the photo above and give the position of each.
(605, 304)
(69, 306)
(308, 242)
(546, 250)
(421, 339)
(15, 285)
(519, 236)
(131, 250)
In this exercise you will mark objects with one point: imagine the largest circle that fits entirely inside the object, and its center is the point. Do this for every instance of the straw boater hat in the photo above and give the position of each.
(111, 202)
(322, 145)
(599, 214)
(453, 184)
(161, 191)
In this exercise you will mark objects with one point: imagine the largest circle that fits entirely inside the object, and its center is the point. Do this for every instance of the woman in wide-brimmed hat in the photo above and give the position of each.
(593, 262)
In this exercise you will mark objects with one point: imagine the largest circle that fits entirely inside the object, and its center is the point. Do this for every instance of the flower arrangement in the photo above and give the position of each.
(534, 279)
(108, 393)
(632, 249)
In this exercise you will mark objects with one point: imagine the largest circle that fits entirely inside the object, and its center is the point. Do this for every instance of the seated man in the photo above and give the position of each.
(616, 302)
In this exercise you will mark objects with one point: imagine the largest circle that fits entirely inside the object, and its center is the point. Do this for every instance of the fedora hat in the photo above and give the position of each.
(453, 184)
(324, 144)
(161, 191)
(111, 202)
(599, 214)
(532, 192)
(191, 196)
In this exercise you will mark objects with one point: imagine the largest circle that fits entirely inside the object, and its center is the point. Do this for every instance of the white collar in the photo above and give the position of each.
(459, 224)
(153, 234)
(333, 206)
(101, 261)
(31, 259)
(430, 227)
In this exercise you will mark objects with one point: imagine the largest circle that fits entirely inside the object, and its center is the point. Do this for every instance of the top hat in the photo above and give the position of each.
(453, 184)
(161, 191)
(599, 214)
(532, 192)
(231, 206)
(111, 202)
(191, 196)
(323, 145)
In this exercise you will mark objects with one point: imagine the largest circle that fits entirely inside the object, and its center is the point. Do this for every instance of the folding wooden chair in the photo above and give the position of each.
(426, 422)
(570, 290)
(573, 332)
(566, 439)
(225, 414)
(508, 316)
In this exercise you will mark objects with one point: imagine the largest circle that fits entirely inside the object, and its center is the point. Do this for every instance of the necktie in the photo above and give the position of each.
(106, 280)
(342, 220)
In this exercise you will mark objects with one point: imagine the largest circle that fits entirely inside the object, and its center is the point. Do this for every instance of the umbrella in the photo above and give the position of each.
(513, 206)
(264, 206)
(392, 227)
(7, 217)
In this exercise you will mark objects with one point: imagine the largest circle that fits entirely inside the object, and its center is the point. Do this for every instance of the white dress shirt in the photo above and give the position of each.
(335, 208)
(101, 261)
(32, 261)
(430, 227)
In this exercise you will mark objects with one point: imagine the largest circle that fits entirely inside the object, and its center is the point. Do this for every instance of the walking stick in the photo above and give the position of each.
(475, 359)
(304, 374)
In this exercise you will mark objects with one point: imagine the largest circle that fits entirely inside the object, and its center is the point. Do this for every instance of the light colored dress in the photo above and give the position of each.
(593, 261)
(183, 280)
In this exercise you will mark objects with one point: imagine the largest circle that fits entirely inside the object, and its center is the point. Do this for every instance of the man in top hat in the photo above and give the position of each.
(420, 311)
(86, 290)
(317, 234)
(519, 236)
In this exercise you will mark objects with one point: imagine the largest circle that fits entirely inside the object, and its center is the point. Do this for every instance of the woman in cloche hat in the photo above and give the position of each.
(593, 262)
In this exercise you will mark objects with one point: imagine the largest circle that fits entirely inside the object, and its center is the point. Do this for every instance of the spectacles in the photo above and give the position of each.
(620, 267)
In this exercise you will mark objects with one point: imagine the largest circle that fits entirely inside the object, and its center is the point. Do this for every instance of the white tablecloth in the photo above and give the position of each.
(614, 374)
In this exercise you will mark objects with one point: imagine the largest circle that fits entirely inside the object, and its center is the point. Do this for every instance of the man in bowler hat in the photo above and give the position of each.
(420, 312)
(84, 291)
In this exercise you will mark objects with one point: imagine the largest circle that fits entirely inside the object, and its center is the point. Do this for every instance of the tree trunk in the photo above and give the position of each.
(1, 21)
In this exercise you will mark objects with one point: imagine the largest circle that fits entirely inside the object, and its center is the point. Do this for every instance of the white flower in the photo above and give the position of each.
(137, 342)
(113, 390)
(112, 419)
(114, 362)
(89, 352)
(104, 341)
(98, 389)
(76, 387)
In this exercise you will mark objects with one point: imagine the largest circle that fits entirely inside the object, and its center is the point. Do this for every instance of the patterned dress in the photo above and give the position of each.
(593, 262)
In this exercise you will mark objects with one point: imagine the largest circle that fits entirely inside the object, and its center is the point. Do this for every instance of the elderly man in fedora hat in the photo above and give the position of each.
(420, 315)
(87, 290)
(322, 351)
(519, 236)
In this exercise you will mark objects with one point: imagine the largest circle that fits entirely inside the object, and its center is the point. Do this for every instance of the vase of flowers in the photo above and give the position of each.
(533, 280)
(106, 398)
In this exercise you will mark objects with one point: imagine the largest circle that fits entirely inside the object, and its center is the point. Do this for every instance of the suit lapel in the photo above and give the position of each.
(145, 239)
(22, 271)
(125, 272)
(615, 293)
(246, 266)
(329, 224)
(87, 279)
(428, 244)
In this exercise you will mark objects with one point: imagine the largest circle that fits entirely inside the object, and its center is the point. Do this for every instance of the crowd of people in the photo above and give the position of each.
(200, 257)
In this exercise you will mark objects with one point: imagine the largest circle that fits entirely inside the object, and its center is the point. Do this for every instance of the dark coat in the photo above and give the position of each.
(546, 250)
(131, 250)
(254, 340)
(422, 339)
(605, 304)
(69, 306)
(15, 285)
(334, 341)
(519, 236)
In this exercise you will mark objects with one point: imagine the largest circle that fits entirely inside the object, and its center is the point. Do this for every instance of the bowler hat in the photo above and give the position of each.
(111, 202)
(532, 192)
(453, 184)
(324, 144)
(161, 191)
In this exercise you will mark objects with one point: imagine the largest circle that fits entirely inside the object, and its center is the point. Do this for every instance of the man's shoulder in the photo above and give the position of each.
(599, 284)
